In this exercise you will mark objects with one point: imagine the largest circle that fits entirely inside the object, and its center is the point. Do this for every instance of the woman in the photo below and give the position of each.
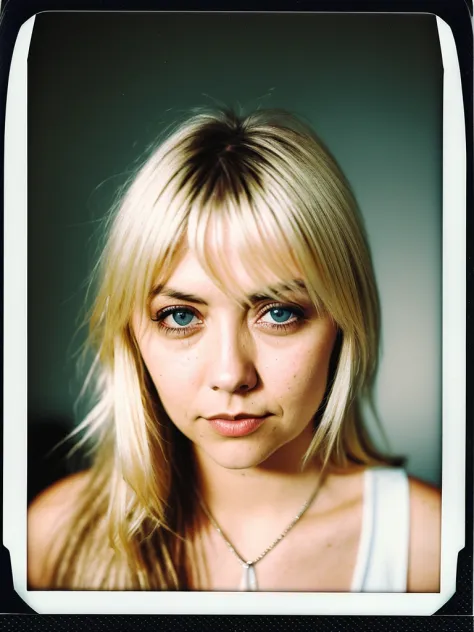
(236, 332)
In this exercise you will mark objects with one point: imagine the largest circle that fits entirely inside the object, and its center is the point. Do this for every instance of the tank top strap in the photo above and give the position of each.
(382, 560)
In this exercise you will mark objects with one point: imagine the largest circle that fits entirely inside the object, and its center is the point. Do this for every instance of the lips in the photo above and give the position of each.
(239, 425)
(237, 417)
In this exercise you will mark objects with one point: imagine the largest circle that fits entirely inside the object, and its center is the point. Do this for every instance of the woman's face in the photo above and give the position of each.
(242, 383)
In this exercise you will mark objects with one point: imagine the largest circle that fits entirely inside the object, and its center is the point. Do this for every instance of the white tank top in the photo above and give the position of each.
(382, 559)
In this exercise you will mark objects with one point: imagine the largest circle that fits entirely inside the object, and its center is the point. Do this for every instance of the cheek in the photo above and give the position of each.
(175, 375)
(300, 378)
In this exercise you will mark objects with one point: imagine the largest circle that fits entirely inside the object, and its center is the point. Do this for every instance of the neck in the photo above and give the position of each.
(279, 484)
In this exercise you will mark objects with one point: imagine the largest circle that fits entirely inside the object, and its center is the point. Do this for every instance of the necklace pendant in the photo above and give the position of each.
(249, 578)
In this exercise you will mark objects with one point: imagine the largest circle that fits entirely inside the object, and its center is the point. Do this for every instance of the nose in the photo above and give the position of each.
(231, 366)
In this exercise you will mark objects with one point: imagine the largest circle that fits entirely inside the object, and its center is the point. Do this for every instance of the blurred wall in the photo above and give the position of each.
(103, 86)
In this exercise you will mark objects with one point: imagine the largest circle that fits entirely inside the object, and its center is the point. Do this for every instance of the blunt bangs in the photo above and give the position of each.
(241, 238)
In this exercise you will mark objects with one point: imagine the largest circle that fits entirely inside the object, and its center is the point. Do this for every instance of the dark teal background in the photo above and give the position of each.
(102, 87)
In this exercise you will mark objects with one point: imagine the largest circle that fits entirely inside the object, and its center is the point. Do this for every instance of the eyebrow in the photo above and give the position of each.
(267, 293)
(278, 289)
(177, 294)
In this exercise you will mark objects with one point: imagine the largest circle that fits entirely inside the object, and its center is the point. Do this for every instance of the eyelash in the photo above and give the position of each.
(168, 311)
(297, 318)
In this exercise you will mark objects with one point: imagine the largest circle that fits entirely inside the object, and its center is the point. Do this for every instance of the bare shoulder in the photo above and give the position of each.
(425, 537)
(48, 517)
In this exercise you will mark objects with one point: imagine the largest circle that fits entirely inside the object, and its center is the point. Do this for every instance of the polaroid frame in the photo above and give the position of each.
(454, 393)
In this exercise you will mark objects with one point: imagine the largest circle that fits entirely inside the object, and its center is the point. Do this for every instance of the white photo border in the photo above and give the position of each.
(453, 392)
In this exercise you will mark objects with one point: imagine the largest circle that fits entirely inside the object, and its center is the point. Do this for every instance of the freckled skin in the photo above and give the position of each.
(233, 362)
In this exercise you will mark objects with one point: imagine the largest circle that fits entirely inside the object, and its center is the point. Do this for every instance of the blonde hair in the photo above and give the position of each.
(267, 181)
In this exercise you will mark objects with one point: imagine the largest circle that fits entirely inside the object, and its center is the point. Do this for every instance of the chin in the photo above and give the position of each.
(238, 457)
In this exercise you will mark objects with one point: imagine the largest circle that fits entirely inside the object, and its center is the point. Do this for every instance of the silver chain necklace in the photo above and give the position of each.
(249, 577)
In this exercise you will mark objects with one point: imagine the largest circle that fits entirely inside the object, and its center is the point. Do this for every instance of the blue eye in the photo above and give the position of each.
(176, 319)
(279, 315)
(182, 318)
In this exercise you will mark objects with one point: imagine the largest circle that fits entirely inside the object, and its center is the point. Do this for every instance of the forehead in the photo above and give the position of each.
(191, 273)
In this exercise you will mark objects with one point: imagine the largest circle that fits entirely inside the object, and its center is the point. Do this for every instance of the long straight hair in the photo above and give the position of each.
(268, 181)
